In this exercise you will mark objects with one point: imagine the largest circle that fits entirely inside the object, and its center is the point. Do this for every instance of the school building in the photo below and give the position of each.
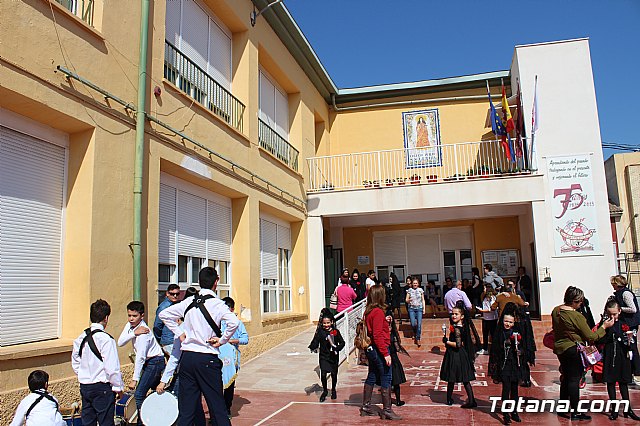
(124, 169)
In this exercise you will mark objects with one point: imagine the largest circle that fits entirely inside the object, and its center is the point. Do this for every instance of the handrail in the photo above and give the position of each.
(346, 322)
(277, 145)
(198, 84)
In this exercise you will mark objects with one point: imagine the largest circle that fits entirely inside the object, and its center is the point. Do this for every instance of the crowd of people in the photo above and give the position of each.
(508, 338)
(192, 351)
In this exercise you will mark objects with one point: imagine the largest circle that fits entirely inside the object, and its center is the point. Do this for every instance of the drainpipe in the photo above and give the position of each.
(411, 102)
(140, 150)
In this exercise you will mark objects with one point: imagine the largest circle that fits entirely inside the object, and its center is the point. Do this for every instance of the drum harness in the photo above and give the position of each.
(198, 302)
(92, 344)
(43, 394)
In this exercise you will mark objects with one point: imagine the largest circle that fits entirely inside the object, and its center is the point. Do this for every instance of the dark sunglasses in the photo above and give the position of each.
(174, 294)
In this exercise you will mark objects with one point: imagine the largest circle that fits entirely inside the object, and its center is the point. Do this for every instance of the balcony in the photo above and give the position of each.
(414, 166)
(83, 9)
(277, 145)
(197, 84)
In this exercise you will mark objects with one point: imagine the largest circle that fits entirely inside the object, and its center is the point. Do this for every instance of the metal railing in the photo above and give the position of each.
(81, 8)
(271, 141)
(195, 82)
(346, 322)
(397, 167)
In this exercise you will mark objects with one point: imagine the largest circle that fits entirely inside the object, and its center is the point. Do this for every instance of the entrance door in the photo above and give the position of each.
(332, 270)
(383, 272)
(457, 264)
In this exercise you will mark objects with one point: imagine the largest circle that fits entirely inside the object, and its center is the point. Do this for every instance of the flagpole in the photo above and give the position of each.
(534, 122)
(523, 146)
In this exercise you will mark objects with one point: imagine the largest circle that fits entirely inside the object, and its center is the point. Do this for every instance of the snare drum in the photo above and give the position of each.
(126, 408)
(73, 420)
(159, 409)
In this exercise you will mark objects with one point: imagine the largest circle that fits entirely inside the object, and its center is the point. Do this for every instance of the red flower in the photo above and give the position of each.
(451, 329)
(334, 332)
(518, 335)
(625, 328)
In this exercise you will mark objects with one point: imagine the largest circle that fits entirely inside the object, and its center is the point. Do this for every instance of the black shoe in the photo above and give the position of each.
(449, 401)
(526, 384)
(613, 416)
(506, 419)
(631, 415)
(323, 396)
(469, 404)
(579, 416)
(516, 417)
(399, 402)
(334, 394)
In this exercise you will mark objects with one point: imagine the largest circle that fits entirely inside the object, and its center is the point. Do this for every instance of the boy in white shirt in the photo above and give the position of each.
(95, 360)
(39, 407)
(149, 361)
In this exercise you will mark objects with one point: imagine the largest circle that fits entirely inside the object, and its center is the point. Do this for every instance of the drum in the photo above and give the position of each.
(159, 409)
(73, 420)
(126, 408)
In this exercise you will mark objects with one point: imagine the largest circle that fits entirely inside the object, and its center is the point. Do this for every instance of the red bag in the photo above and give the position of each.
(549, 340)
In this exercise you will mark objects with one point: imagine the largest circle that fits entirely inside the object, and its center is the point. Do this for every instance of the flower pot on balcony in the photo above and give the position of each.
(415, 179)
(401, 181)
(389, 182)
(367, 183)
(376, 184)
(432, 178)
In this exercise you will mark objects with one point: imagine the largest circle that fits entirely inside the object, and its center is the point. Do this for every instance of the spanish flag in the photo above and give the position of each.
(507, 120)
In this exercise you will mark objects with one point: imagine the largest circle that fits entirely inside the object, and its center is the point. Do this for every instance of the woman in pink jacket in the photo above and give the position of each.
(345, 294)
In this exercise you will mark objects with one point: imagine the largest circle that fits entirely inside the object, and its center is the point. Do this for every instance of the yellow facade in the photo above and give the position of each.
(98, 223)
(98, 210)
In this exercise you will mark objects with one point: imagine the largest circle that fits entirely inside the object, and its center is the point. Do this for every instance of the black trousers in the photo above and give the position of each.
(228, 396)
(572, 371)
(510, 391)
(488, 328)
(98, 404)
(201, 373)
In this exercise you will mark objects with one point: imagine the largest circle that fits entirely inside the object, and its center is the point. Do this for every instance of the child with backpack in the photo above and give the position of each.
(328, 342)
(39, 407)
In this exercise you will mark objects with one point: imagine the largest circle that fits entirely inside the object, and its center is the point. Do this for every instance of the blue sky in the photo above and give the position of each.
(363, 43)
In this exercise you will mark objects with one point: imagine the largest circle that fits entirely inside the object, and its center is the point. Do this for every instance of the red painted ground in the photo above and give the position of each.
(423, 394)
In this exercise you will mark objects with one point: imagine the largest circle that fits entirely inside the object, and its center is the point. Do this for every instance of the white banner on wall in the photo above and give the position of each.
(574, 219)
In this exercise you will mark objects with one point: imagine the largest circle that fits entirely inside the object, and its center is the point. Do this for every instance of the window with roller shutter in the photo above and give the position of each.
(32, 199)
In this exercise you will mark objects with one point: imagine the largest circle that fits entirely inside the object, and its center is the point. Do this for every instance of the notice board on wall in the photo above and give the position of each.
(505, 262)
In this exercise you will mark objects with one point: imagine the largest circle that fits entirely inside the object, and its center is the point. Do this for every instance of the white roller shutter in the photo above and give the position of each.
(284, 237)
(167, 225)
(268, 250)
(456, 241)
(282, 114)
(172, 22)
(219, 231)
(389, 250)
(219, 55)
(267, 101)
(195, 33)
(32, 175)
(192, 225)
(423, 254)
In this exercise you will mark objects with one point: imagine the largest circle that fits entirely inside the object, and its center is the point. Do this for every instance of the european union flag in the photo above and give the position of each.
(496, 122)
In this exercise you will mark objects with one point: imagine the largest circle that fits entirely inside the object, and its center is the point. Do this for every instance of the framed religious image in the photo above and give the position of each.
(422, 138)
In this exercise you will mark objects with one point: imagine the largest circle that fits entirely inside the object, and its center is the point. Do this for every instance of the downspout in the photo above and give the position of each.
(140, 150)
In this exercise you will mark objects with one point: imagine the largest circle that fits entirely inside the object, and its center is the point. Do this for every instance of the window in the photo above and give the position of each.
(274, 106)
(201, 37)
(275, 265)
(194, 231)
(32, 194)
(457, 264)
(83, 9)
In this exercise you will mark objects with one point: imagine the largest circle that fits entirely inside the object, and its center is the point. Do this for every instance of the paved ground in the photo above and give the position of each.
(281, 387)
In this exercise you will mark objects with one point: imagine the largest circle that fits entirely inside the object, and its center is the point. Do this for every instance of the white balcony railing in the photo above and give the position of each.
(397, 167)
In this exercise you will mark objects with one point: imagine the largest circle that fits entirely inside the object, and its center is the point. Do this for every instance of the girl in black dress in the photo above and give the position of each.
(397, 372)
(508, 360)
(457, 364)
(616, 363)
(329, 342)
